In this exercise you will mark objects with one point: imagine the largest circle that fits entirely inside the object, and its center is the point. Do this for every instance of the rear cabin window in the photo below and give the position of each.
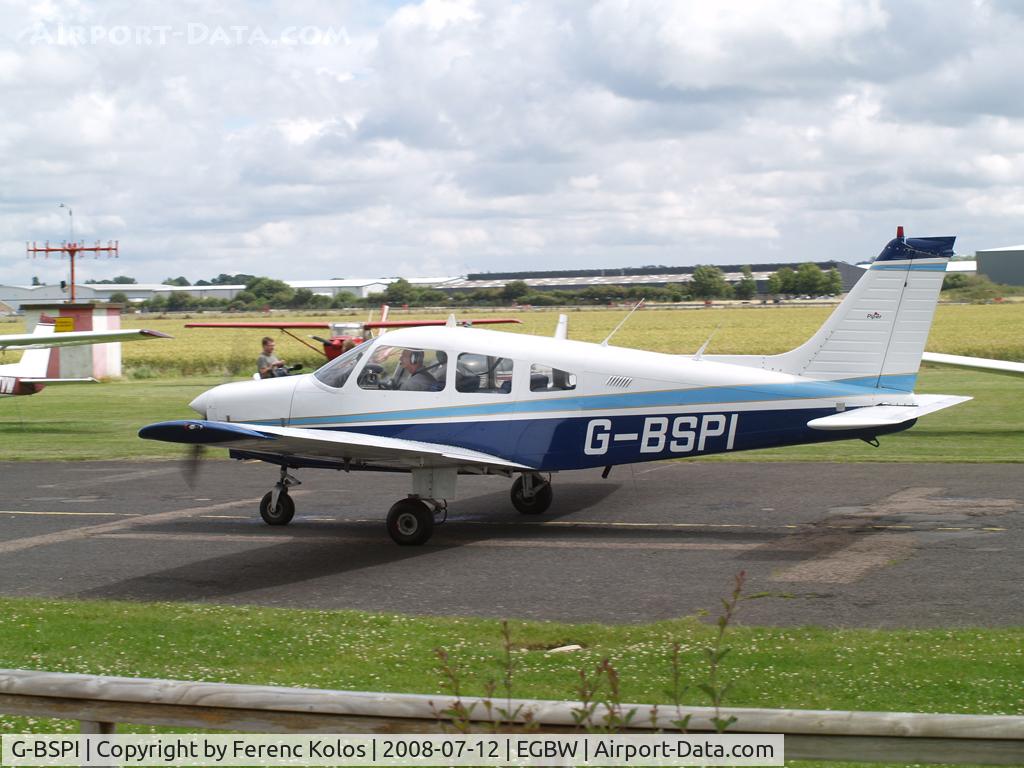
(544, 378)
(404, 368)
(336, 373)
(483, 374)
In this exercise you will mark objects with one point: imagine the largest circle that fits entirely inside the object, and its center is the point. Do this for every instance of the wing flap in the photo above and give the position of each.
(885, 415)
(321, 443)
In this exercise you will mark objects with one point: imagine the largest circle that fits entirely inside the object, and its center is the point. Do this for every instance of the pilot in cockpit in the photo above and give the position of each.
(412, 375)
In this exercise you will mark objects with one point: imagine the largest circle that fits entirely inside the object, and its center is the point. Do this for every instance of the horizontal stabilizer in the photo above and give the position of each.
(74, 338)
(88, 380)
(980, 363)
(885, 415)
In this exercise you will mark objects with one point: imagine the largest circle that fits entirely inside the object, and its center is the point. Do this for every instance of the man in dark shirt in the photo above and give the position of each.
(268, 364)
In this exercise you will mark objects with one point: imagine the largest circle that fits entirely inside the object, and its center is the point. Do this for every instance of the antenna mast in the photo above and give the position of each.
(71, 249)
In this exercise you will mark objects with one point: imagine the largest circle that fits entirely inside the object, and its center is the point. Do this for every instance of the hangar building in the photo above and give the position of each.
(582, 278)
(1002, 265)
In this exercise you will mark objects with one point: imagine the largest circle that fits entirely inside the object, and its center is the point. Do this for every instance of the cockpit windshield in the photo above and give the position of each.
(336, 372)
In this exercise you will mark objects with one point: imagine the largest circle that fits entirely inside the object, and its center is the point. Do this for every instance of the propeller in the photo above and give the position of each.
(190, 462)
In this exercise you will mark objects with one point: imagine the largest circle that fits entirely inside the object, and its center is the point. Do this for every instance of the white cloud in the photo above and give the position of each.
(445, 135)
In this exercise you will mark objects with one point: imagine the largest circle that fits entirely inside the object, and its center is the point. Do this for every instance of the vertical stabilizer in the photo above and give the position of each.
(34, 362)
(877, 334)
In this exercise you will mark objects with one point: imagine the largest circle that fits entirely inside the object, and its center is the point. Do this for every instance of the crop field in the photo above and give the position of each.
(995, 330)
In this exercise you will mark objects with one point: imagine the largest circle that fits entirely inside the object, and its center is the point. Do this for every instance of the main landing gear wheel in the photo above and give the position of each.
(281, 514)
(410, 522)
(532, 494)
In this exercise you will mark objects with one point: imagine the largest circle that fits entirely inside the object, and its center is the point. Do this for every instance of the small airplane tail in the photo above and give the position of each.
(34, 362)
(876, 336)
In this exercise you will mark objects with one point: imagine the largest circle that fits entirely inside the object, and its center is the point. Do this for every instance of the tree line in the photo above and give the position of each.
(707, 282)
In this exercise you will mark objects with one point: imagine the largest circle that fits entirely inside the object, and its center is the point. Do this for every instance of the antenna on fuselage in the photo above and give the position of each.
(616, 329)
(700, 352)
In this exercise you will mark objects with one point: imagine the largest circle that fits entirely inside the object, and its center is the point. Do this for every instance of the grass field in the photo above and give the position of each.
(101, 421)
(994, 330)
(955, 671)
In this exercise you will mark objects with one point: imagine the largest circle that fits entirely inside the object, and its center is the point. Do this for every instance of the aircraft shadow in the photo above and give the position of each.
(310, 555)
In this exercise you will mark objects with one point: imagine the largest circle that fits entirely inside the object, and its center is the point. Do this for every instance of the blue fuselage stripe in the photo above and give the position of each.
(845, 388)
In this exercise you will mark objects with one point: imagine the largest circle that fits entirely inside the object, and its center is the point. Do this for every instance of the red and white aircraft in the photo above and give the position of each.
(345, 335)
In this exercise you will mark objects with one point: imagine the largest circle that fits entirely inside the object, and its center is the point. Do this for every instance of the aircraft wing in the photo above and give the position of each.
(324, 444)
(885, 415)
(275, 326)
(981, 363)
(423, 323)
(74, 338)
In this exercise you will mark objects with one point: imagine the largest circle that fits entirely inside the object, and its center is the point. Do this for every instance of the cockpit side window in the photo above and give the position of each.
(544, 378)
(405, 368)
(336, 372)
(483, 374)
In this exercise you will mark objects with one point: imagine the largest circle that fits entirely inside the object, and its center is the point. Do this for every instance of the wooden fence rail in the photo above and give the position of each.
(100, 702)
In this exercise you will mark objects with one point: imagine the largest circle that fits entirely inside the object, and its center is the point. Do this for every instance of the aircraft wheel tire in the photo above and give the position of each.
(282, 514)
(542, 496)
(410, 522)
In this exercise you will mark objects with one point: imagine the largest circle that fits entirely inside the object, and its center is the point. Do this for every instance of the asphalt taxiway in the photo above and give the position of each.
(872, 545)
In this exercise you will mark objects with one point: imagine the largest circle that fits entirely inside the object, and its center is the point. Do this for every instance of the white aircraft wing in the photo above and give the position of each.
(86, 380)
(885, 415)
(74, 338)
(324, 444)
(981, 363)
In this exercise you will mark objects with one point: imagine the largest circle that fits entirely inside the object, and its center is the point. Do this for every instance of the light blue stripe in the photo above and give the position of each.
(901, 382)
(910, 267)
(699, 396)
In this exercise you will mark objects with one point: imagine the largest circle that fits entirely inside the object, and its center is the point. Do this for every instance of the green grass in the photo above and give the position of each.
(101, 421)
(955, 671)
(94, 421)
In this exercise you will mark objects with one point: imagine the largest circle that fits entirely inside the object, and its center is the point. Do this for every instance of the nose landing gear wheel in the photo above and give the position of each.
(536, 503)
(282, 514)
(410, 522)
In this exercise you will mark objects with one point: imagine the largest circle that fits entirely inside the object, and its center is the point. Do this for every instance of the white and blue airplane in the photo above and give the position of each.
(438, 402)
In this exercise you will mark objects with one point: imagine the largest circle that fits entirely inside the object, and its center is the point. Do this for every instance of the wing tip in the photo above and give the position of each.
(196, 432)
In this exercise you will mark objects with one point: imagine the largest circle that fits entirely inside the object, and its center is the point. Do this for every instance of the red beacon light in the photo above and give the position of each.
(899, 232)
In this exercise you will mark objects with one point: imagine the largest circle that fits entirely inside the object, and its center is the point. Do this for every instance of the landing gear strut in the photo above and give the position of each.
(277, 507)
(531, 493)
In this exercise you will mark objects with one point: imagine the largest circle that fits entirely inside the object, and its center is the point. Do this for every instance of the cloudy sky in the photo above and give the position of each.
(340, 139)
